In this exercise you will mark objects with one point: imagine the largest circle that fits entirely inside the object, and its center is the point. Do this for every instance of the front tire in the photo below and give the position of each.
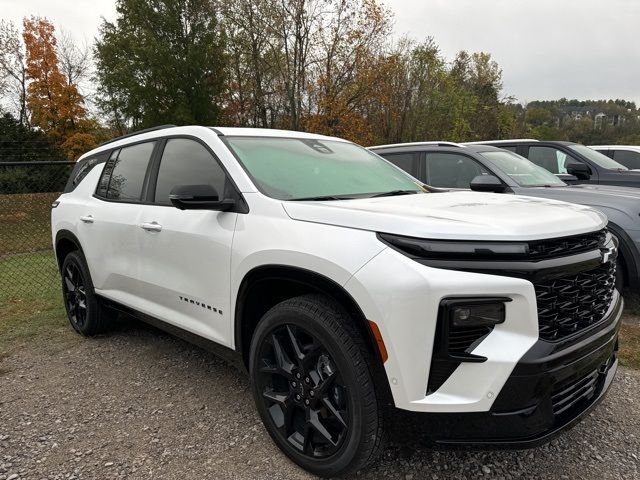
(86, 315)
(313, 388)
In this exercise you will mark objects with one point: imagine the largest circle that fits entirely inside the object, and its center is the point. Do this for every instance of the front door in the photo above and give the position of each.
(185, 255)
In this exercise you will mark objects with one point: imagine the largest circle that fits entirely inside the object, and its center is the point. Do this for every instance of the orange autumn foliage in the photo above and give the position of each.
(57, 108)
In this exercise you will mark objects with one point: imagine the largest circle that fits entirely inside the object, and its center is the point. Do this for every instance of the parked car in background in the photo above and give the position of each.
(627, 155)
(345, 285)
(569, 160)
(491, 169)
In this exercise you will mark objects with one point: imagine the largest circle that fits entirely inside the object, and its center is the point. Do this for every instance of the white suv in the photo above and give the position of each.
(345, 285)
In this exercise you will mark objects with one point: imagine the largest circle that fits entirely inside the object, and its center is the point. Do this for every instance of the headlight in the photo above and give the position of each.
(455, 249)
(477, 315)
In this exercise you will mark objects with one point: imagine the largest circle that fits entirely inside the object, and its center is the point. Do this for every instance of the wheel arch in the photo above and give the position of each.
(267, 285)
(66, 242)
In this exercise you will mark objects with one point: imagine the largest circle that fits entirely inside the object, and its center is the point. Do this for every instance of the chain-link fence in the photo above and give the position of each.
(27, 190)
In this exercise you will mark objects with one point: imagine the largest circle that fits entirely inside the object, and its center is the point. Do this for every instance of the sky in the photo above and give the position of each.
(547, 49)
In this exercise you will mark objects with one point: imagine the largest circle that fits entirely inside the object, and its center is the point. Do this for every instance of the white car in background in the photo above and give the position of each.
(627, 155)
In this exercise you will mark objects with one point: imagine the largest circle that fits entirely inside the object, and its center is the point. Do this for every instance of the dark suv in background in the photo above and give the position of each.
(569, 160)
(484, 168)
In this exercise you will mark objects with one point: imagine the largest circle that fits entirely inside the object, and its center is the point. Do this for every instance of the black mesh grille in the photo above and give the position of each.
(559, 247)
(570, 304)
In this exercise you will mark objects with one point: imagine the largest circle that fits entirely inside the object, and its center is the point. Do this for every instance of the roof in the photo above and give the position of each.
(515, 140)
(635, 148)
(168, 130)
(417, 144)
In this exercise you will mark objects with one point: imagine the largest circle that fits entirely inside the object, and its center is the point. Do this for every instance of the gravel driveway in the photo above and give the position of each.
(141, 404)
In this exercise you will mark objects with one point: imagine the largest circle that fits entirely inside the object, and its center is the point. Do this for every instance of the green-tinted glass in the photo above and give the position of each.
(291, 168)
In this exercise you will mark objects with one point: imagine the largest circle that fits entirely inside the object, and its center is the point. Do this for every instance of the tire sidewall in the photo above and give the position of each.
(350, 448)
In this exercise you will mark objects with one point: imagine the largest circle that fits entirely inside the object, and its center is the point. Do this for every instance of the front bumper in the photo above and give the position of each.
(551, 388)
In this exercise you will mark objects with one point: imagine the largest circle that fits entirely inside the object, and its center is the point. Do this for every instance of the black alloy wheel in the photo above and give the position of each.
(304, 392)
(313, 386)
(75, 294)
(85, 313)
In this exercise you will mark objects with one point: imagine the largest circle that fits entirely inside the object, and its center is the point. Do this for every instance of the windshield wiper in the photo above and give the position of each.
(394, 193)
(320, 198)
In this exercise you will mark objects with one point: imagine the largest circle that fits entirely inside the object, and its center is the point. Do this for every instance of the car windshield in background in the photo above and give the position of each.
(522, 171)
(309, 169)
(598, 158)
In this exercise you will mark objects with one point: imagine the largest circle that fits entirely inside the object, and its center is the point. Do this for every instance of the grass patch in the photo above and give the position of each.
(630, 346)
(29, 307)
(25, 222)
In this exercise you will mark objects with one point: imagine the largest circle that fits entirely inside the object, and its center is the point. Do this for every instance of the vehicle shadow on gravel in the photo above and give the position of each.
(139, 403)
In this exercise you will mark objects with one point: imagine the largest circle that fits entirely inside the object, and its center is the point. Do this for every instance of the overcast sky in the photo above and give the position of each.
(547, 49)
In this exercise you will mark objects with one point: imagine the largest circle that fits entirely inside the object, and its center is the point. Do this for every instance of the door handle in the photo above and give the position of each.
(151, 226)
(87, 219)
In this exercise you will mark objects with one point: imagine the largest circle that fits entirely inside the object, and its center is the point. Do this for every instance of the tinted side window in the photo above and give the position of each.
(187, 162)
(405, 161)
(128, 172)
(451, 170)
(627, 158)
(551, 159)
(82, 168)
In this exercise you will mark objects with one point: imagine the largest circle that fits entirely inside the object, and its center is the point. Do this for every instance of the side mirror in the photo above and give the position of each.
(487, 183)
(199, 197)
(579, 170)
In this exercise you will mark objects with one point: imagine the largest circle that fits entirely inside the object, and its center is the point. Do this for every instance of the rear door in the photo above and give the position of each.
(107, 226)
(185, 255)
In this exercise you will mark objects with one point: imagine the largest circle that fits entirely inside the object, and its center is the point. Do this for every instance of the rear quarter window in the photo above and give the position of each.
(82, 169)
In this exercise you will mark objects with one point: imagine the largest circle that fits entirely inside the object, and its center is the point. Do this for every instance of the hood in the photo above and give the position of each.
(454, 216)
(610, 196)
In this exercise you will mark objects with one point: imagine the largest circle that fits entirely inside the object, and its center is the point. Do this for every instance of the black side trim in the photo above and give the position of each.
(138, 132)
(221, 351)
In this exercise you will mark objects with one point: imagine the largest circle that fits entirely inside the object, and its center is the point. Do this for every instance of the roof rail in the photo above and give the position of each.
(138, 132)
(417, 144)
(515, 140)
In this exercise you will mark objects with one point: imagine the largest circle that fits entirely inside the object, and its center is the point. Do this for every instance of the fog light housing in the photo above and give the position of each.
(484, 314)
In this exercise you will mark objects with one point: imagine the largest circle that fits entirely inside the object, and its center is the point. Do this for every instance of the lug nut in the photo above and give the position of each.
(298, 375)
(307, 379)
(306, 402)
(297, 396)
(294, 384)
(312, 393)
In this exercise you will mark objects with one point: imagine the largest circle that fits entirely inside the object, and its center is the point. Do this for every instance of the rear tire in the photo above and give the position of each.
(86, 315)
(313, 389)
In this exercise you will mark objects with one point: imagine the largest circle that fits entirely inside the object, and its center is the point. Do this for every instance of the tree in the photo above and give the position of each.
(56, 106)
(162, 61)
(74, 60)
(13, 70)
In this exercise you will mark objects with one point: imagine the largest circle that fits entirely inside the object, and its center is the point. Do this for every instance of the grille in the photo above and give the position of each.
(566, 397)
(557, 247)
(570, 304)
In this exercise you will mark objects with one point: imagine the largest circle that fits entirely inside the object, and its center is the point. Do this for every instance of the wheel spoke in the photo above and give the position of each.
(297, 348)
(282, 359)
(324, 385)
(69, 283)
(333, 411)
(314, 421)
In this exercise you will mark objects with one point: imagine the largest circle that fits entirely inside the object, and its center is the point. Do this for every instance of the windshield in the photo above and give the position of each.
(521, 170)
(295, 169)
(598, 158)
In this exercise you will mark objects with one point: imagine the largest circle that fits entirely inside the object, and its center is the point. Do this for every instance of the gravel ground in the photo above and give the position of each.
(141, 404)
